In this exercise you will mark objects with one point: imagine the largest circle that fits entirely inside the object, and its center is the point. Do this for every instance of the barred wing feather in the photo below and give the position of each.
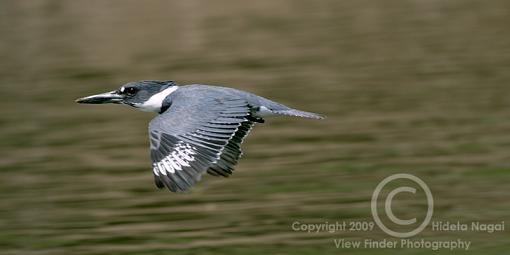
(182, 150)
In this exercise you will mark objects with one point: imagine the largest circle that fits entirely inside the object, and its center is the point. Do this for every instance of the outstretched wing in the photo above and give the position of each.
(232, 152)
(193, 136)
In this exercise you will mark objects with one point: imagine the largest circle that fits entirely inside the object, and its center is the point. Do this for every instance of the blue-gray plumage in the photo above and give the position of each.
(199, 128)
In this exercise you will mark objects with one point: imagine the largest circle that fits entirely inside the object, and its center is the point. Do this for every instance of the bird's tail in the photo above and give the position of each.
(298, 113)
(269, 108)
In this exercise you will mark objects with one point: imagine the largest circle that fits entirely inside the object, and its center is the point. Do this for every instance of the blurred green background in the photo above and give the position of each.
(419, 87)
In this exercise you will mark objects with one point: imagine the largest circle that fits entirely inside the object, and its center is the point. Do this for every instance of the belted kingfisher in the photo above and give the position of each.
(199, 128)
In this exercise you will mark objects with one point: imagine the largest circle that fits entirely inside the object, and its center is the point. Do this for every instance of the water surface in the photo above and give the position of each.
(408, 86)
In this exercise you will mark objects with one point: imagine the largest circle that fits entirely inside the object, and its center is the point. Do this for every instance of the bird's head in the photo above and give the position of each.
(145, 95)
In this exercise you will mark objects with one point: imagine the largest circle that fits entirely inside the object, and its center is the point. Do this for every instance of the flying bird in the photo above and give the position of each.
(199, 128)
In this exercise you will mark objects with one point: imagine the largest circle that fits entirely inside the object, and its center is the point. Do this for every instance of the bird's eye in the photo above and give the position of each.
(130, 90)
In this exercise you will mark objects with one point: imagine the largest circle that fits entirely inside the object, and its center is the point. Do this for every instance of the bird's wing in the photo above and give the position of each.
(190, 137)
(232, 152)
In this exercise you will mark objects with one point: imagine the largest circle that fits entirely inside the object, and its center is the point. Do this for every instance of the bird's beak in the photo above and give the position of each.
(104, 98)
